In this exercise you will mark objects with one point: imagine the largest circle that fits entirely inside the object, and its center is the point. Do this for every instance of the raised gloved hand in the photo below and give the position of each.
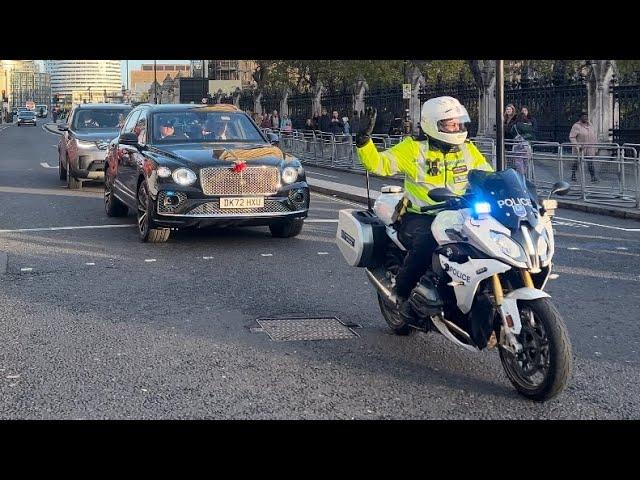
(367, 122)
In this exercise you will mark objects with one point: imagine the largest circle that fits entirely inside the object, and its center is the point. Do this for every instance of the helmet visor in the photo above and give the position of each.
(454, 125)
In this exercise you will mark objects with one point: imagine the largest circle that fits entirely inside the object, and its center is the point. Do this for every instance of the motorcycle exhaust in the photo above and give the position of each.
(386, 293)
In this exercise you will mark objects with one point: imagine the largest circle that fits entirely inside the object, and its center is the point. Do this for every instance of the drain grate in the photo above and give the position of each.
(305, 328)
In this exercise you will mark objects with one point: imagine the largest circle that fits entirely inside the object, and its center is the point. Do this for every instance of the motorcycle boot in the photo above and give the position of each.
(425, 298)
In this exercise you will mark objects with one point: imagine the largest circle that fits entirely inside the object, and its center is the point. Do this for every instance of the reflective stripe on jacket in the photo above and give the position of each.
(424, 169)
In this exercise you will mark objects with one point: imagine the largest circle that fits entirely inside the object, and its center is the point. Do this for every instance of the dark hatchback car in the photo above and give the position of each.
(27, 117)
(83, 144)
(180, 166)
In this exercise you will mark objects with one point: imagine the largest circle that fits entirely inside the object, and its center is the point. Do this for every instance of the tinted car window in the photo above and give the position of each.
(103, 118)
(203, 126)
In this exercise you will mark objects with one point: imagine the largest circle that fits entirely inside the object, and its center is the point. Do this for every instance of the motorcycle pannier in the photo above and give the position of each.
(361, 238)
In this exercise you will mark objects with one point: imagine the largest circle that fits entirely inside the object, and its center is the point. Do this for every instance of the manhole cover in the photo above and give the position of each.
(305, 328)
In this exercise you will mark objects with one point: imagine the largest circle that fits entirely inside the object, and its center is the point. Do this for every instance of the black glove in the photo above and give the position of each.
(367, 122)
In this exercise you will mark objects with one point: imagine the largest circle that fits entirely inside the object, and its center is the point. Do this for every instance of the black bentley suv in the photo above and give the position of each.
(180, 166)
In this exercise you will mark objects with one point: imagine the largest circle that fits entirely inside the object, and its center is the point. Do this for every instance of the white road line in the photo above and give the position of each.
(89, 263)
(267, 254)
(320, 220)
(321, 174)
(46, 165)
(48, 229)
(323, 253)
(149, 260)
(50, 132)
(572, 248)
(28, 269)
(622, 248)
(207, 258)
(600, 225)
(339, 200)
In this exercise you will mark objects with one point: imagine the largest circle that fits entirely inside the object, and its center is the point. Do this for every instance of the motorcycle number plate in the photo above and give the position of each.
(241, 202)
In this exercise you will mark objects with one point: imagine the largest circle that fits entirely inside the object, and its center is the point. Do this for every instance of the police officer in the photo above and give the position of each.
(441, 157)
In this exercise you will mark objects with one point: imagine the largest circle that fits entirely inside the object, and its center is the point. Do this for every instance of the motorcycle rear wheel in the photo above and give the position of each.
(542, 369)
(393, 319)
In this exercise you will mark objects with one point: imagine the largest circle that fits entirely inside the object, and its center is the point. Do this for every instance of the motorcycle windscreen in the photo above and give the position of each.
(512, 199)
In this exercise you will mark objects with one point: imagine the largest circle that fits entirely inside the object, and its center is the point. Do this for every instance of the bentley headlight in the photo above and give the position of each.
(289, 174)
(184, 176)
(508, 246)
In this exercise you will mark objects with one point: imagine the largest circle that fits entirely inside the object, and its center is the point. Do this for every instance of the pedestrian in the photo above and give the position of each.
(336, 127)
(275, 120)
(285, 124)
(324, 121)
(509, 120)
(583, 133)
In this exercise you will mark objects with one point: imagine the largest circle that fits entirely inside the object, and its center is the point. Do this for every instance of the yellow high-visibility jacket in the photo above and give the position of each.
(424, 169)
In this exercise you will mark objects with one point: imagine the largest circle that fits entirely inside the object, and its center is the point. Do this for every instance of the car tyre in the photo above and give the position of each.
(72, 182)
(62, 172)
(112, 205)
(287, 229)
(146, 227)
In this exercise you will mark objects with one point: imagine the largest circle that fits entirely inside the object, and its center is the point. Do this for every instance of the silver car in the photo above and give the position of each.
(83, 144)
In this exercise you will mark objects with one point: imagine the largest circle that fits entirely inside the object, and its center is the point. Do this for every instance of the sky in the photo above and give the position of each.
(135, 65)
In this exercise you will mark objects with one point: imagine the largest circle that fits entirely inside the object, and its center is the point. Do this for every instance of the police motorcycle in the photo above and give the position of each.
(488, 273)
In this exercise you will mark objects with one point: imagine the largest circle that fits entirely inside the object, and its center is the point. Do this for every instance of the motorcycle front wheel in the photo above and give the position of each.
(542, 369)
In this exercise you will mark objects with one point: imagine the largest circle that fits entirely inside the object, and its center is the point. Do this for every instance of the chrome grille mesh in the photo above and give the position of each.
(251, 181)
(213, 208)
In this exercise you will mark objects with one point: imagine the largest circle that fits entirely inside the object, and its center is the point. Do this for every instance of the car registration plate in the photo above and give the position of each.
(242, 202)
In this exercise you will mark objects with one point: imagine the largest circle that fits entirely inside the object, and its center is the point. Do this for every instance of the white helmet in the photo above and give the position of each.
(435, 110)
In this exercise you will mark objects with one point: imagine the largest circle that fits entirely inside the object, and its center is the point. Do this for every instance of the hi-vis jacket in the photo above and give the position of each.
(424, 169)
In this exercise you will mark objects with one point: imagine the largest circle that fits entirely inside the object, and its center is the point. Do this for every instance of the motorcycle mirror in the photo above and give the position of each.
(560, 188)
(441, 194)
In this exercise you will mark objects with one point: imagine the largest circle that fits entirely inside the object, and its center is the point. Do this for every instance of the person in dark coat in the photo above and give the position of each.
(324, 121)
(335, 124)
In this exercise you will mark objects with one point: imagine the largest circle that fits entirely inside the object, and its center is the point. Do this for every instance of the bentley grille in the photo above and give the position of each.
(251, 181)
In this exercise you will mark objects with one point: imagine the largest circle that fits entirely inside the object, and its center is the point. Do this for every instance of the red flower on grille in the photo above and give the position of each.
(239, 166)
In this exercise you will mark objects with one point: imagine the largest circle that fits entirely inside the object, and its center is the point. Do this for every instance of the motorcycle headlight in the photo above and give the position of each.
(184, 176)
(508, 246)
(289, 174)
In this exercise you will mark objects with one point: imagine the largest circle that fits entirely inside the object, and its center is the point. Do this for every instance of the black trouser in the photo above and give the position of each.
(592, 170)
(415, 234)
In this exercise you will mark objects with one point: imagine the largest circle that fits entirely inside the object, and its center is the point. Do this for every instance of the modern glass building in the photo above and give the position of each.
(85, 80)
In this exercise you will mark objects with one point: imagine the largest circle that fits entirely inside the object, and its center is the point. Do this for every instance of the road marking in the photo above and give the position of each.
(339, 200)
(267, 254)
(600, 225)
(323, 253)
(46, 165)
(51, 191)
(50, 132)
(48, 229)
(90, 263)
(323, 220)
(26, 269)
(207, 258)
(149, 260)
(622, 248)
(573, 248)
(596, 273)
(321, 174)
(598, 237)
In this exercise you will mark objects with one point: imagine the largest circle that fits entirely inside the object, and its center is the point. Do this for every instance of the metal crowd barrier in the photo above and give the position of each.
(616, 168)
